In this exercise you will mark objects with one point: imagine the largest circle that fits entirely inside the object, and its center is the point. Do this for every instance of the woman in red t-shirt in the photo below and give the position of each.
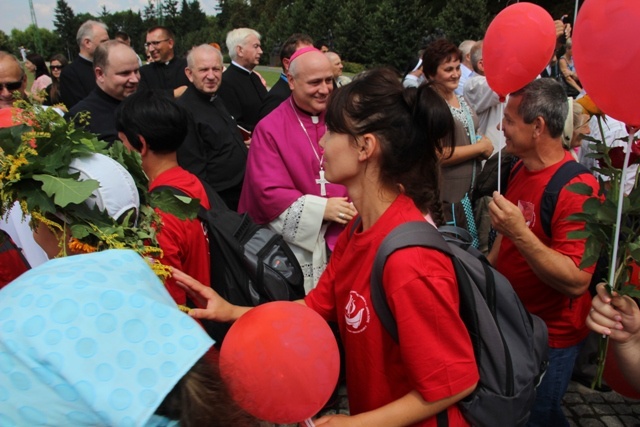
(383, 144)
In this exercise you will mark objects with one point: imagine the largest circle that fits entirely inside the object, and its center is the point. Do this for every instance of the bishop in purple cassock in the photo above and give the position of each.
(284, 184)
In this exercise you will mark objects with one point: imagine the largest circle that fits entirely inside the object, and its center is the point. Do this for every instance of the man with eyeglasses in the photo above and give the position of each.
(12, 79)
(242, 90)
(213, 149)
(166, 72)
(77, 80)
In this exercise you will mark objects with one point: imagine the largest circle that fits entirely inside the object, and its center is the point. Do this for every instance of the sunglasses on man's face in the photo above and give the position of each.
(56, 67)
(11, 86)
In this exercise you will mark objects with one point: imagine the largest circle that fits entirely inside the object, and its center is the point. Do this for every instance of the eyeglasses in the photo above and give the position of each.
(155, 43)
(13, 86)
(56, 67)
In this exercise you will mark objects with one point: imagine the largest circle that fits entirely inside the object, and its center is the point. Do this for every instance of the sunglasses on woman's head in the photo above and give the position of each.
(11, 86)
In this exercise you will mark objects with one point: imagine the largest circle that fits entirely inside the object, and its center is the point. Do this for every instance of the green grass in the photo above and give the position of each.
(270, 75)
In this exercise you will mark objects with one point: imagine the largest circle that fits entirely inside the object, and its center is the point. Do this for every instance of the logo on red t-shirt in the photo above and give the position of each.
(528, 210)
(356, 313)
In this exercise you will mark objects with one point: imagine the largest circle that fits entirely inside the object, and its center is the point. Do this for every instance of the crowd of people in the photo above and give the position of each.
(331, 164)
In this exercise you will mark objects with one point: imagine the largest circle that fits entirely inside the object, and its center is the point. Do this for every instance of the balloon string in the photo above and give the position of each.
(309, 423)
(616, 236)
(500, 143)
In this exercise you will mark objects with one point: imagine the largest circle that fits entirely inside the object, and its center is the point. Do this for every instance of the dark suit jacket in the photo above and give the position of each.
(166, 77)
(213, 149)
(278, 93)
(243, 94)
(77, 81)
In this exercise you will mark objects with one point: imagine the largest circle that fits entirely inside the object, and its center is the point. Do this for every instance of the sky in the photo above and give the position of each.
(16, 13)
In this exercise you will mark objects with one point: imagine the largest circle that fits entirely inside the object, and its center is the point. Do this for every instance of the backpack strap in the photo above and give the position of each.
(418, 233)
(558, 181)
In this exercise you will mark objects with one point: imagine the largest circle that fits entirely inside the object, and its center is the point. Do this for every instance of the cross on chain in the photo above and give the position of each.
(322, 182)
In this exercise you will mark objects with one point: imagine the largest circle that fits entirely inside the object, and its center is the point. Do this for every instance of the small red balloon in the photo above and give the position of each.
(518, 44)
(280, 361)
(606, 52)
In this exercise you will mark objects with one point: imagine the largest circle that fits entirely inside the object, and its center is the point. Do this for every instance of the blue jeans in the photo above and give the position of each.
(547, 409)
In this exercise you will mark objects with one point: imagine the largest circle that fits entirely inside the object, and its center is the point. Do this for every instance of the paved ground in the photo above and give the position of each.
(588, 408)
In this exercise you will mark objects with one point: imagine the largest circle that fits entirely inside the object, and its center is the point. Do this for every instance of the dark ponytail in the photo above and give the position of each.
(414, 126)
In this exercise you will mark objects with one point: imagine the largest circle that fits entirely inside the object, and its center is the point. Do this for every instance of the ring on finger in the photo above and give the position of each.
(341, 215)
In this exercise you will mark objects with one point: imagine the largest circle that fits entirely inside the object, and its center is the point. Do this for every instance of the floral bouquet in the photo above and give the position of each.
(35, 154)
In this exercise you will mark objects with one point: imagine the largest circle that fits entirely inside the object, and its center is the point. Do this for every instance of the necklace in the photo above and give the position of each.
(321, 181)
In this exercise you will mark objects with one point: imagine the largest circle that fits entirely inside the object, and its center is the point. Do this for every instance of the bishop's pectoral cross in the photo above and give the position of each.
(322, 182)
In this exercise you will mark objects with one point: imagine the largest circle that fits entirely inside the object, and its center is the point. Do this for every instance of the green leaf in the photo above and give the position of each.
(11, 138)
(591, 254)
(607, 213)
(580, 188)
(591, 205)
(578, 234)
(67, 190)
(80, 231)
(630, 290)
(179, 206)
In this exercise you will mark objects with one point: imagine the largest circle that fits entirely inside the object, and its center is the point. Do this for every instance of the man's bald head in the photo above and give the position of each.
(311, 81)
(336, 63)
(12, 79)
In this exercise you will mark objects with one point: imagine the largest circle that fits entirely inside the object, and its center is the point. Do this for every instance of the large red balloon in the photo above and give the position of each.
(517, 46)
(606, 52)
(281, 362)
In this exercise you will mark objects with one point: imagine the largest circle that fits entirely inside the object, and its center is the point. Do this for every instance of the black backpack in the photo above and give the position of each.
(509, 343)
(250, 264)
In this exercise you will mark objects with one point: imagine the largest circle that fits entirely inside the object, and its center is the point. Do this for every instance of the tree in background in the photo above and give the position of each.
(369, 32)
(26, 38)
(66, 26)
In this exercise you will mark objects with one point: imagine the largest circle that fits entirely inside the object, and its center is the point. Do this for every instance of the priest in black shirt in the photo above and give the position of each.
(213, 149)
(77, 79)
(166, 72)
(242, 90)
(117, 75)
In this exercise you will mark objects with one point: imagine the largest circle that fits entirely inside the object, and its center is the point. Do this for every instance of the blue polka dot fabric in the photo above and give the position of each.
(92, 340)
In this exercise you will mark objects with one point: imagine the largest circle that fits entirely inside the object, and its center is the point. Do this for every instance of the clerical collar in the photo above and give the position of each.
(202, 95)
(85, 58)
(315, 118)
(283, 76)
(241, 67)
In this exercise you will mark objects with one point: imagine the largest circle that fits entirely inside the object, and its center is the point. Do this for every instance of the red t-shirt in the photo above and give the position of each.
(434, 355)
(564, 316)
(183, 242)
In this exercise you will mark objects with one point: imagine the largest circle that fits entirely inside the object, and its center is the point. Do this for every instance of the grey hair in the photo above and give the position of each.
(207, 48)
(237, 37)
(476, 54)
(544, 98)
(465, 47)
(86, 30)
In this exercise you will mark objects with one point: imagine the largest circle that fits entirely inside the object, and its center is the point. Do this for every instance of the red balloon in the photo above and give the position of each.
(606, 52)
(517, 46)
(280, 361)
